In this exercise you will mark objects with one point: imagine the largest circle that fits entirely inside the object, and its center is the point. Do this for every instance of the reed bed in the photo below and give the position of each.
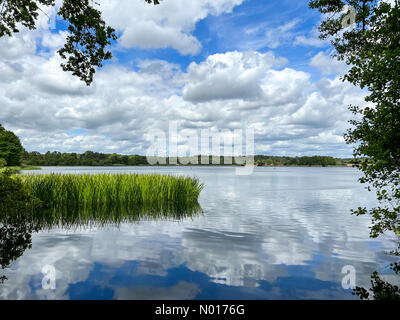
(114, 196)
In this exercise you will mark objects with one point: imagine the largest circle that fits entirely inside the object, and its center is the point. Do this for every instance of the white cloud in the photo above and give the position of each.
(54, 40)
(328, 65)
(290, 34)
(309, 41)
(166, 25)
(225, 92)
(149, 35)
(282, 34)
(12, 48)
(233, 75)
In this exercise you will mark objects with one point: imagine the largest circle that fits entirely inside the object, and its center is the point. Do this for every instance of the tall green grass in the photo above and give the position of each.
(114, 197)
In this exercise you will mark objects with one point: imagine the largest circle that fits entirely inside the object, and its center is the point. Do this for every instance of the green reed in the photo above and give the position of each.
(106, 195)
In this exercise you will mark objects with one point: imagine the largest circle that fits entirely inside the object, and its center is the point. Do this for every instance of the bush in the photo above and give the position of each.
(14, 196)
(10, 147)
(3, 162)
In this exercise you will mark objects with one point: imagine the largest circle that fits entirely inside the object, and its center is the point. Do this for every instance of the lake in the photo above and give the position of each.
(279, 233)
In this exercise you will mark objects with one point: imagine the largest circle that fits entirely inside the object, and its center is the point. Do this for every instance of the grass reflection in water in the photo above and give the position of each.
(94, 200)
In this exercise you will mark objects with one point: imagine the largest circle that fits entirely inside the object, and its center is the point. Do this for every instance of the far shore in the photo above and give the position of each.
(179, 165)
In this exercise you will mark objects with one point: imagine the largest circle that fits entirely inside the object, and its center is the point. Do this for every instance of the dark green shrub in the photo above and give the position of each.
(14, 196)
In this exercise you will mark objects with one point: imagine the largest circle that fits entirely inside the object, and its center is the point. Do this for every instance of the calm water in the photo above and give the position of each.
(280, 233)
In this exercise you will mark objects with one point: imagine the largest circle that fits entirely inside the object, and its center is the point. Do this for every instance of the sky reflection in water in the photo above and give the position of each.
(282, 233)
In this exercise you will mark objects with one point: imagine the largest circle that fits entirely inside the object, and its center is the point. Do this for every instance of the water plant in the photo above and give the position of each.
(30, 203)
(113, 197)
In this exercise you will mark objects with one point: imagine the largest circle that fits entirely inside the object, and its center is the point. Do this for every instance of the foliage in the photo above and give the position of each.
(15, 238)
(110, 192)
(24, 168)
(380, 289)
(372, 50)
(88, 37)
(3, 162)
(87, 158)
(14, 196)
(298, 161)
(10, 147)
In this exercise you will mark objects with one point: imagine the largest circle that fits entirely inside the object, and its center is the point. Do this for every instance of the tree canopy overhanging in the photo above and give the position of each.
(371, 47)
(11, 149)
(88, 34)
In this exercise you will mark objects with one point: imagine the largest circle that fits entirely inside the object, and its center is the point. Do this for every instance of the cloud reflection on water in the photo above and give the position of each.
(283, 233)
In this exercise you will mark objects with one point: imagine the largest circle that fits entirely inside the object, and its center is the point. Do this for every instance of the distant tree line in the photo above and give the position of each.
(261, 160)
(90, 158)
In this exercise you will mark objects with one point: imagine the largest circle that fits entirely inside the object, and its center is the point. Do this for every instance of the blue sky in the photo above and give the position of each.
(221, 65)
(244, 29)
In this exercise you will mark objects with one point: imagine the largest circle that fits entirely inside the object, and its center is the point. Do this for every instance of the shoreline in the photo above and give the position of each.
(182, 165)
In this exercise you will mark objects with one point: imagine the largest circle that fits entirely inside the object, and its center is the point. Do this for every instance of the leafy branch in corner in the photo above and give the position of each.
(371, 48)
(89, 35)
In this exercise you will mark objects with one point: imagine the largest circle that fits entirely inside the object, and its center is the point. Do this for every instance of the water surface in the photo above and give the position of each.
(280, 233)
